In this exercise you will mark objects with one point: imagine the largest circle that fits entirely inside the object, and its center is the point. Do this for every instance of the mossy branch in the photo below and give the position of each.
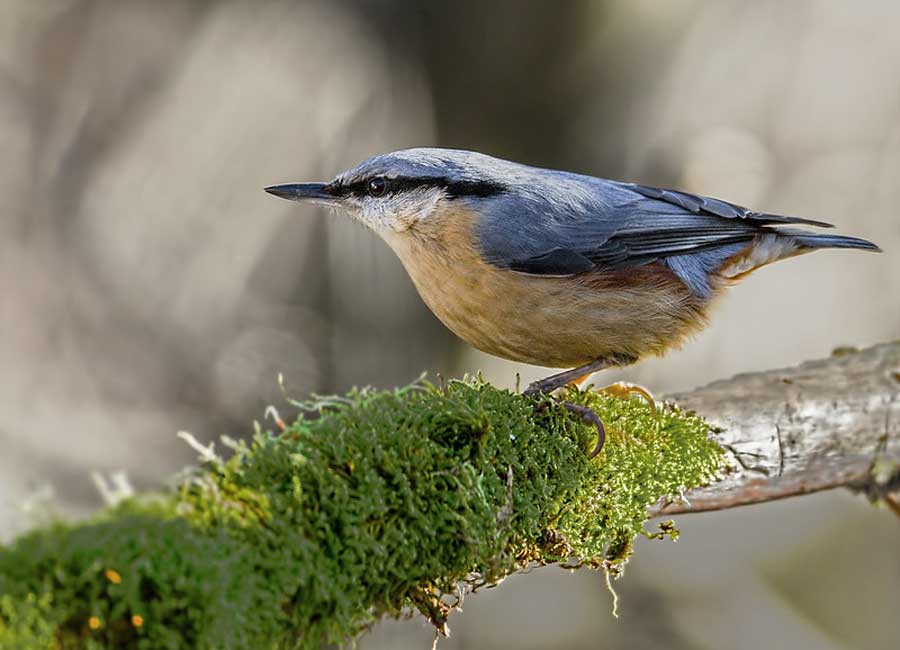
(375, 504)
(382, 503)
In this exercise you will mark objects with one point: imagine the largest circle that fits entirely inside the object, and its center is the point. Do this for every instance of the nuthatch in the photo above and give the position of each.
(554, 268)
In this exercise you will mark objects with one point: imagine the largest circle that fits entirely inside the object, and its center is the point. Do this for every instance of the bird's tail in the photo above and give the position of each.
(806, 239)
(781, 243)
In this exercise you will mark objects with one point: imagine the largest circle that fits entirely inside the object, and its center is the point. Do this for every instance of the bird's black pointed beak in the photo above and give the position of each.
(302, 192)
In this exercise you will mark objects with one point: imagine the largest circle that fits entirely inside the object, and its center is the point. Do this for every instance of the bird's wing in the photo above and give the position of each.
(625, 225)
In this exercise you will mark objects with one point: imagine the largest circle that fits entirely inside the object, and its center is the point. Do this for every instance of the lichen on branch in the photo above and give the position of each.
(375, 504)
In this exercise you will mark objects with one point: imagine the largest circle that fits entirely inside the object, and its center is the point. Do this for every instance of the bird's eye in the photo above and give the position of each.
(376, 186)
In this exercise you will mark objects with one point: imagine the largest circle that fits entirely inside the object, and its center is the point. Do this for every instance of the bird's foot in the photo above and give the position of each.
(588, 416)
(624, 389)
(574, 377)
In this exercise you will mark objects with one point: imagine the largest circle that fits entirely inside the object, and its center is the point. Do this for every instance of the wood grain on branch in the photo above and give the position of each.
(824, 424)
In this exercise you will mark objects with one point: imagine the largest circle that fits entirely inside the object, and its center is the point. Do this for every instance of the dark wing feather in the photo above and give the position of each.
(558, 261)
(700, 204)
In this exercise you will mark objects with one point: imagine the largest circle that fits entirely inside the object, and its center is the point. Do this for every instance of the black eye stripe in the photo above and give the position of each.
(474, 188)
(360, 187)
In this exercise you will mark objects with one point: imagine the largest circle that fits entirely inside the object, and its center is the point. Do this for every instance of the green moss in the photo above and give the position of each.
(26, 621)
(375, 504)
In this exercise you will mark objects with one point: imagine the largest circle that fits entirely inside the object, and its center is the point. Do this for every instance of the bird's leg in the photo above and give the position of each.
(578, 381)
(624, 389)
(620, 389)
(578, 375)
(575, 376)
(560, 379)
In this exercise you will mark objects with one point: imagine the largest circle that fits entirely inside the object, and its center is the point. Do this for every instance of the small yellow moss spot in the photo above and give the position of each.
(94, 623)
(137, 620)
(113, 576)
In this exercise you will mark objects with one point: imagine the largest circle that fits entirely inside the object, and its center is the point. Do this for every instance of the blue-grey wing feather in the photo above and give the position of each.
(575, 224)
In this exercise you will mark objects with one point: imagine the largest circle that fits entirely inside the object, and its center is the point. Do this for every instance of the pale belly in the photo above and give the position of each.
(549, 321)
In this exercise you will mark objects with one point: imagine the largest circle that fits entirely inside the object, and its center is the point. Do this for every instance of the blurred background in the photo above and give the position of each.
(149, 285)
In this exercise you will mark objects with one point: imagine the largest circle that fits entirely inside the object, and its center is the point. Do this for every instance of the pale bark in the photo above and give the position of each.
(824, 424)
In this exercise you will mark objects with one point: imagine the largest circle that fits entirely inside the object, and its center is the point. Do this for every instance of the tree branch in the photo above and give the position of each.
(823, 424)
(381, 502)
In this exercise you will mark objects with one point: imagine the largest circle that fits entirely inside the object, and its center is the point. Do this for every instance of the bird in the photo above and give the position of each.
(555, 268)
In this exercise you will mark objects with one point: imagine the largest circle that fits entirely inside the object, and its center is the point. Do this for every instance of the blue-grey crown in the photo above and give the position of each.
(459, 173)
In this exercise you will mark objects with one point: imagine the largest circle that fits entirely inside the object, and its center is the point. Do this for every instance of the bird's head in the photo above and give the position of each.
(396, 192)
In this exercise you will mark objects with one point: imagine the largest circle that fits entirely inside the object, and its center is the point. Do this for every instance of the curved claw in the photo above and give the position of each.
(589, 417)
